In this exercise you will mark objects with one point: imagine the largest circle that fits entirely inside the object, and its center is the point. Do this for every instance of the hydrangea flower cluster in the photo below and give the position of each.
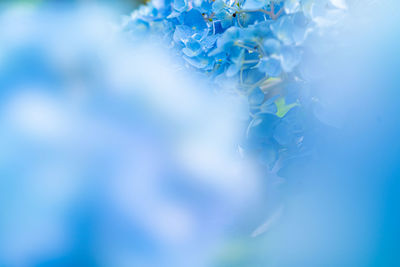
(258, 45)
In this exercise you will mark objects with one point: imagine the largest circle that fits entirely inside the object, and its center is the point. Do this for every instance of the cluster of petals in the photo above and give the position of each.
(260, 46)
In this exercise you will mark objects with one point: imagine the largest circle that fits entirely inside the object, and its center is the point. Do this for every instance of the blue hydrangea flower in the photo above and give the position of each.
(259, 44)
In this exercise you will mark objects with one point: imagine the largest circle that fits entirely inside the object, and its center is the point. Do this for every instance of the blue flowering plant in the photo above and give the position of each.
(258, 48)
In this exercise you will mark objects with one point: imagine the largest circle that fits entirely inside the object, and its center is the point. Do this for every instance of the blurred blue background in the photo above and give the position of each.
(123, 6)
(110, 155)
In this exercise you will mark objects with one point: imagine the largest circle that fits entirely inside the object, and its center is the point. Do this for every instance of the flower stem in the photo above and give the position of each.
(271, 13)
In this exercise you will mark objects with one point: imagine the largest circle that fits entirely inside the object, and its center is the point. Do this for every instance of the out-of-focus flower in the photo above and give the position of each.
(110, 155)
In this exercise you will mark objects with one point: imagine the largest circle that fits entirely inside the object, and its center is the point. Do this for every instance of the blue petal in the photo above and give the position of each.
(209, 41)
(262, 29)
(180, 5)
(290, 129)
(250, 18)
(192, 49)
(290, 58)
(262, 127)
(283, 29)
(225, 19)
(204, 6)
(252, 76)
(138, 26)
(232, 70)
(272, 46)
(218, 6)
(256, 97)
(182, 34)
(174, 14)
(283, 134)
(226, 41)
(292, 6)
(195, 20)
(269, 106)
(237, 58)
(201, 62)
(271, 66)
(300, 28)
(314, 9)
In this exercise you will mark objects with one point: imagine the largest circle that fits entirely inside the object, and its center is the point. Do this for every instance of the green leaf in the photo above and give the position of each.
(282, 108)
